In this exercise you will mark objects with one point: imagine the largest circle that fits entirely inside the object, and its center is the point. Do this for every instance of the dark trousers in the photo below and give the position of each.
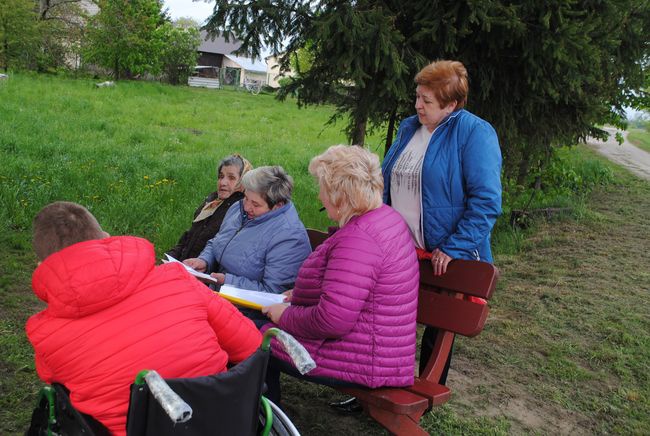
(256, 316)
(277, 366)
(426, 348)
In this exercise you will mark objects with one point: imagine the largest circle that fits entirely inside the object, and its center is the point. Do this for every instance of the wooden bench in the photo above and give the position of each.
(443, 303)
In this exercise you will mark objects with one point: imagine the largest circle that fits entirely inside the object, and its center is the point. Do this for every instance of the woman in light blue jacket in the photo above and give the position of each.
(262, 242)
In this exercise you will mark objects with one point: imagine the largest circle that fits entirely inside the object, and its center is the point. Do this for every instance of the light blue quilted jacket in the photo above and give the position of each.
(262, 254)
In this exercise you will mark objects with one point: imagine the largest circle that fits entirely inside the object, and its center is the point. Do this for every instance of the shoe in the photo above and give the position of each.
(351, 405)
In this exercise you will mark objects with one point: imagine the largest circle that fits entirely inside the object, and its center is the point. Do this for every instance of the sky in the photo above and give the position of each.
(187, 8)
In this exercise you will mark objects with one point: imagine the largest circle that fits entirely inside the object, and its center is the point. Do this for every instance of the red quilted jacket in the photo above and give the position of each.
(111, 313)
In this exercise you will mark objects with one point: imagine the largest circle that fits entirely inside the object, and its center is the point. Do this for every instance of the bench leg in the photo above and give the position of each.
(400, 425)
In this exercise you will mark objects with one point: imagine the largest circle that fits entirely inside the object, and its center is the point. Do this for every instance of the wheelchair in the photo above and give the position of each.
(228, 403)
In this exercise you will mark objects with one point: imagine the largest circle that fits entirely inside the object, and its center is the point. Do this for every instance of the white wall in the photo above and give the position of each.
(273, 75)
(244, 74)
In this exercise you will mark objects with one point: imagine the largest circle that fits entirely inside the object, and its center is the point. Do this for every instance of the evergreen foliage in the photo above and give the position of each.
(544, 74)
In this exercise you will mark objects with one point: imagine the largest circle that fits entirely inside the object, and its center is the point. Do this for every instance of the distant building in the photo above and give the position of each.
(273, 74)
(72, 17)
(216, 52)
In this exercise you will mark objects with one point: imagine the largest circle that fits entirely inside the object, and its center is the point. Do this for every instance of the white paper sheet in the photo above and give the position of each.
(258, 298)
(191, 270)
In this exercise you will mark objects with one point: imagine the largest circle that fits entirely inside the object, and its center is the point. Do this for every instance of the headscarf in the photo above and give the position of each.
(211, 206)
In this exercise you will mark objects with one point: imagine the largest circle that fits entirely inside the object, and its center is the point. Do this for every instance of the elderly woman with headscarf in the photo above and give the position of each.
(210, 214)
(354, 303)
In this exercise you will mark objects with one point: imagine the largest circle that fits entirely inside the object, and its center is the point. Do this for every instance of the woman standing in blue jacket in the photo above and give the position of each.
(442, 174)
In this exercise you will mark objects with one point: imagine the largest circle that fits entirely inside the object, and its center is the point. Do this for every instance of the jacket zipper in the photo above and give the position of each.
(229, 241)
(421, 178)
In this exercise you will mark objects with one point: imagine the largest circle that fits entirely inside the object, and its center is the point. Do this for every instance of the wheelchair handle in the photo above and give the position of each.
(177, 409)
(300, 356)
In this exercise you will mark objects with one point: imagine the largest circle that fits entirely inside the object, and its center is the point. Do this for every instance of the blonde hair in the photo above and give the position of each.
(351, 178)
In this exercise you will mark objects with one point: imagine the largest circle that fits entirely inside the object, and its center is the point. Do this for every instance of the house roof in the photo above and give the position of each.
(258, 66)
(217, 45)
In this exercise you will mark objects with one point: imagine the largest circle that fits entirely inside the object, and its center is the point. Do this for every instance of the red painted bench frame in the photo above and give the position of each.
(443, 303)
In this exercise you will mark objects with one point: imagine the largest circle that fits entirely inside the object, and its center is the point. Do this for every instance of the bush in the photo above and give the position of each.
(565, 182)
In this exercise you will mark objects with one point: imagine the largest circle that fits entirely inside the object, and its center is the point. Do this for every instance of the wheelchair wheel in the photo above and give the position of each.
(281, 425)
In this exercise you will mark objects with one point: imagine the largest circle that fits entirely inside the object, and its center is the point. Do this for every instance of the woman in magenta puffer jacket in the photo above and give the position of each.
(355, 299)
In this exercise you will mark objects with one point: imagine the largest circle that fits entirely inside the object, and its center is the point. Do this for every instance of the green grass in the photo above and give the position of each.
(640, 138)
(565, 349)
(152, 144)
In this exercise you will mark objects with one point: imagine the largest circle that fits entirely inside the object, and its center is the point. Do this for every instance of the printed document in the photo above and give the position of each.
(252, 299)
(191, 270)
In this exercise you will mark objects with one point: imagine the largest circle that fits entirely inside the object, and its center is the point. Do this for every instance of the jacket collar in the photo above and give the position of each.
(412, 122)
(267, 216)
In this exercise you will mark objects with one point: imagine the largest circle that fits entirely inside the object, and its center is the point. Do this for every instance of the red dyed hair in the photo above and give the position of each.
(447, 80)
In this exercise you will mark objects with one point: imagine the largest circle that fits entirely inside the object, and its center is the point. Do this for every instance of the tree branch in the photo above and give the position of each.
(46, 6)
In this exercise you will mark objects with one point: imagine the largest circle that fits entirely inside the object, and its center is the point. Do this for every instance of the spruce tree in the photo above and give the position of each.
(543, 73)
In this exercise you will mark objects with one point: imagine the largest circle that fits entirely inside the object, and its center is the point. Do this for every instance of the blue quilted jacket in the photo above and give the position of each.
(262, 254)
(461, 183)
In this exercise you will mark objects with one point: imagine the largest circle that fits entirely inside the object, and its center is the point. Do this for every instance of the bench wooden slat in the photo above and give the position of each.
(396, 400)
(405, 425)
(442, 311)
(470, 277)
(316, 237)
(436, 393)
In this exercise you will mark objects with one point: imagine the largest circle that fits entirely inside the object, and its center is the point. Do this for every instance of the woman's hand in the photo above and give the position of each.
(198, 264)
(275, 311)
(287, 295)
(221, 278)
(439, 262)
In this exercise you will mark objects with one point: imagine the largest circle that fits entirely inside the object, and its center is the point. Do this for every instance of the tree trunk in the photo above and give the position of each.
(359, 132)
(360, 117)
(524, 167)
(116, 68)
(6, 50)
(391, 130)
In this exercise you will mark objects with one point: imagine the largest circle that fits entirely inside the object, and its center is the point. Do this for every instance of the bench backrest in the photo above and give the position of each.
(444, 300)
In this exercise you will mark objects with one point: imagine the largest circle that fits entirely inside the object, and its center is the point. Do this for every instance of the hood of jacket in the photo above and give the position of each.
(288, 210)
(90, 276)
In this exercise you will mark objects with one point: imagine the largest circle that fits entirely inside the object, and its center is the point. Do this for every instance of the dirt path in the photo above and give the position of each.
(626, 154)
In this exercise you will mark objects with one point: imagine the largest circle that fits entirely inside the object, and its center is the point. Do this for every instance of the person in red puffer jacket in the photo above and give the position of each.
(111, 313)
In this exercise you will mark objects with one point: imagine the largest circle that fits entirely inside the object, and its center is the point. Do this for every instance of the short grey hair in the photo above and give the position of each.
(272, 183)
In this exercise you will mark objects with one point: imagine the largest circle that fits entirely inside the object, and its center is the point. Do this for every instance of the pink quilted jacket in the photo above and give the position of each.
(111, 313)
(355, 300)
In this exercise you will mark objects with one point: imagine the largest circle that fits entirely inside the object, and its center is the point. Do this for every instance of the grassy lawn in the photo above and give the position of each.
(566, 347)
(640, 138)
